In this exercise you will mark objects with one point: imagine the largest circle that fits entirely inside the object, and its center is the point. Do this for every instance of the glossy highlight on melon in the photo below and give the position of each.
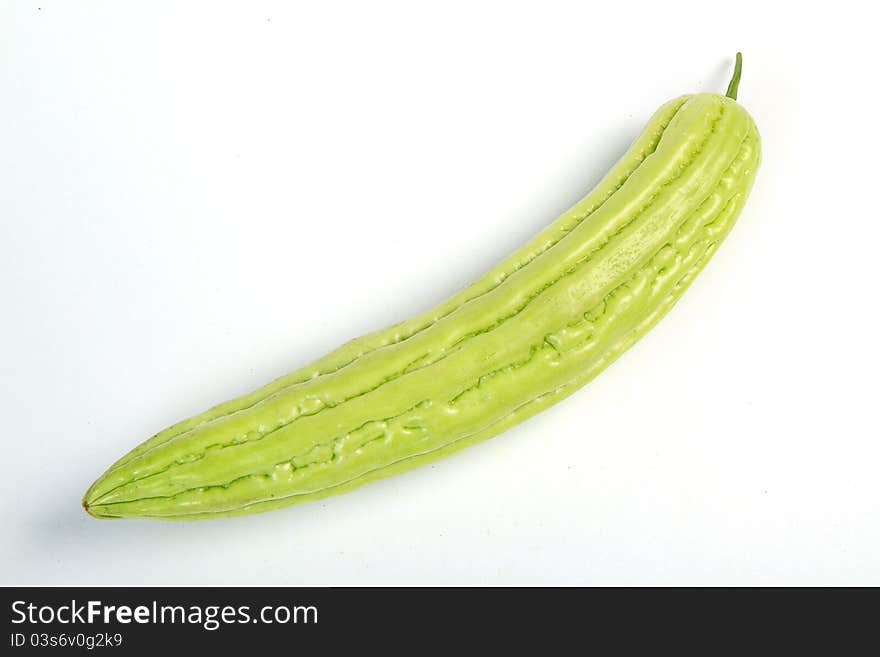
(530, 332)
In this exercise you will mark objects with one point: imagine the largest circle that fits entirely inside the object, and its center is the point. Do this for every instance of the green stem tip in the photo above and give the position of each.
(734, 81)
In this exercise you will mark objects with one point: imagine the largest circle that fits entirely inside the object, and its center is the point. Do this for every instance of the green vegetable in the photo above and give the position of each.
(531, 331)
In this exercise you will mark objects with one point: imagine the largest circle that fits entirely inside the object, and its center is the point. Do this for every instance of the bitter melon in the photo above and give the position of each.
(530, 332)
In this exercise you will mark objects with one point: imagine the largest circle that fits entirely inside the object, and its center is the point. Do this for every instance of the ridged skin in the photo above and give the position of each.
(535, 328)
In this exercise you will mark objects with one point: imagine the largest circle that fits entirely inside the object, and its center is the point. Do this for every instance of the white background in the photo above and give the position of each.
(199, 197)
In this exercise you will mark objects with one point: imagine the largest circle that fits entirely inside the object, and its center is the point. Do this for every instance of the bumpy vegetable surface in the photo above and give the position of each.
(530, 332)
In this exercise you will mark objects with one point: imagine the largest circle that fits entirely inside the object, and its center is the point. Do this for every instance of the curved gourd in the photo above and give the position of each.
(531, 331)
